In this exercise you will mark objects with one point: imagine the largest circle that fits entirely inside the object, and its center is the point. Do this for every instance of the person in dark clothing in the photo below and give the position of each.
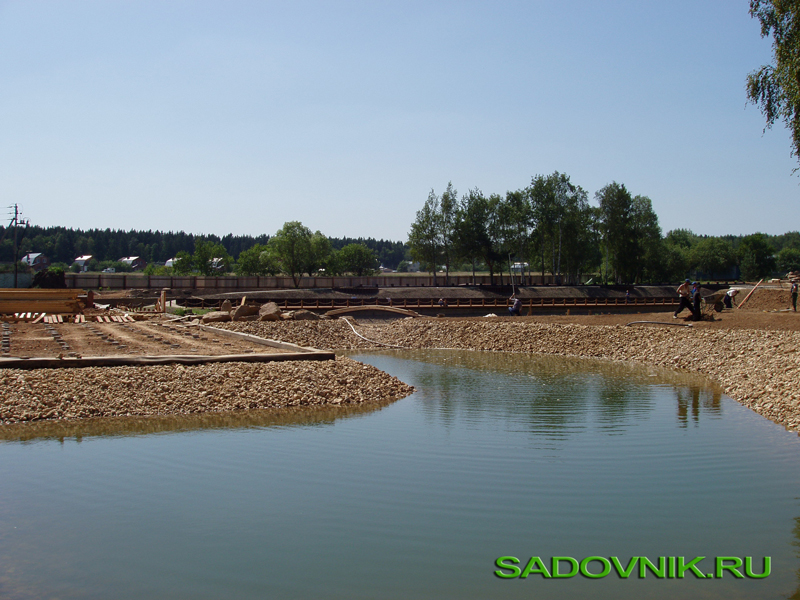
(696, 300)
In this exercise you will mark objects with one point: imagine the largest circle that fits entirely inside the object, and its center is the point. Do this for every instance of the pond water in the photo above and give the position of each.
(494, 455)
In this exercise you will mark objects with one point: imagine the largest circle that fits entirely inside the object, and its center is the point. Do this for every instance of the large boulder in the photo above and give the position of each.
(226, 306)
(305, 315)
(240, 313)
(269, 312)
(218, 316)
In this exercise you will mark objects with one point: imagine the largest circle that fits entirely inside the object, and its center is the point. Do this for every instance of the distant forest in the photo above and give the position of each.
(679, 253)
(62, 245)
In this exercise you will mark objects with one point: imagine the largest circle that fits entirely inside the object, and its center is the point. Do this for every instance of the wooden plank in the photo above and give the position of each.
(110, 361)
(40, 317)
(49, 306)
(60, 318)
(29, 294)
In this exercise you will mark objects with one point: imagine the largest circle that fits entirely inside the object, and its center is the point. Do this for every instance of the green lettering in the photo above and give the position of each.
(554, 566)
(690, 566)
(644, 564)
(535, 565)
(502, 563)
(625, 573)
(737, 562)
(587, 573)
(748, 567)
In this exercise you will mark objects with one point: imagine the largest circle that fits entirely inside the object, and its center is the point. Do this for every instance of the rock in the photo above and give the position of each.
(305, 315)
(226, 306)
(246, 310)
(269, 312)
(217, 316)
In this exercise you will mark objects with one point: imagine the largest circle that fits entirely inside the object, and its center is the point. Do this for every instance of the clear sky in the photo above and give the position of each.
(234, 117)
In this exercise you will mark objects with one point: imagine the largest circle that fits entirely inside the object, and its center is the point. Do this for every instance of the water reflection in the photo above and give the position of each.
(553, 397)
(478, 463)
(130, 426)
(694, 401)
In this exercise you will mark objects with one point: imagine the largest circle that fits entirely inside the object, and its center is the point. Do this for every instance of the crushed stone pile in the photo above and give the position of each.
(176, 389)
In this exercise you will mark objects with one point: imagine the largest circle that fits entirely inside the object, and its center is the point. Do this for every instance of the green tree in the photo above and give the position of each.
(257, 260)
(712, 255)
(183, 264)
(319, 253)
(357, 259)
(776, 87)
(292, 247)
(423, 239)
(210, 257)
(563, 222)
(646, 240)
(756, 258)
(472, 231)
(447, 225)
(788, 259)
(517, 221)
(615, 221)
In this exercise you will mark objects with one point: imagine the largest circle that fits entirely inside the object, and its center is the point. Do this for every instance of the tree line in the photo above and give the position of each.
(63, 245)
(550, 227)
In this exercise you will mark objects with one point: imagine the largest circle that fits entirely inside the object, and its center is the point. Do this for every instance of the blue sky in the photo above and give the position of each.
(234, 117)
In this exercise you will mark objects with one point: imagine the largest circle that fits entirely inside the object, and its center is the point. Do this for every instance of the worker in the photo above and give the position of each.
(729, 296)
(516, 306)
(794, 296)
(683, 291)
(698, 314)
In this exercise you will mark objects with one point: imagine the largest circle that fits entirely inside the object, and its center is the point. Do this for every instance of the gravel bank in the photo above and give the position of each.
(164, 390)
(759, 368)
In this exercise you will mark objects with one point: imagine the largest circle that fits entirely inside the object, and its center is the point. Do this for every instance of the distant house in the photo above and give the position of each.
(82, 261)
(519, 267)
(218, 264)
(36, 261)
(170, 262)
(136, 263)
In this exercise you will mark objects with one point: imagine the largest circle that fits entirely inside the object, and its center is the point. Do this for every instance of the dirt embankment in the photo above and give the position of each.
(767, 299)
(164, 390)
(758, 367)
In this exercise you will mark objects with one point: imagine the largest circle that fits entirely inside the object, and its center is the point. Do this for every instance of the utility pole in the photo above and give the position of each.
(15, 221)
(16, 215)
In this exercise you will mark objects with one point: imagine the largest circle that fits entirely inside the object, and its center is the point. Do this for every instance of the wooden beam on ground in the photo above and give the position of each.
(372, 307)
(143, 361)
(256, 340)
